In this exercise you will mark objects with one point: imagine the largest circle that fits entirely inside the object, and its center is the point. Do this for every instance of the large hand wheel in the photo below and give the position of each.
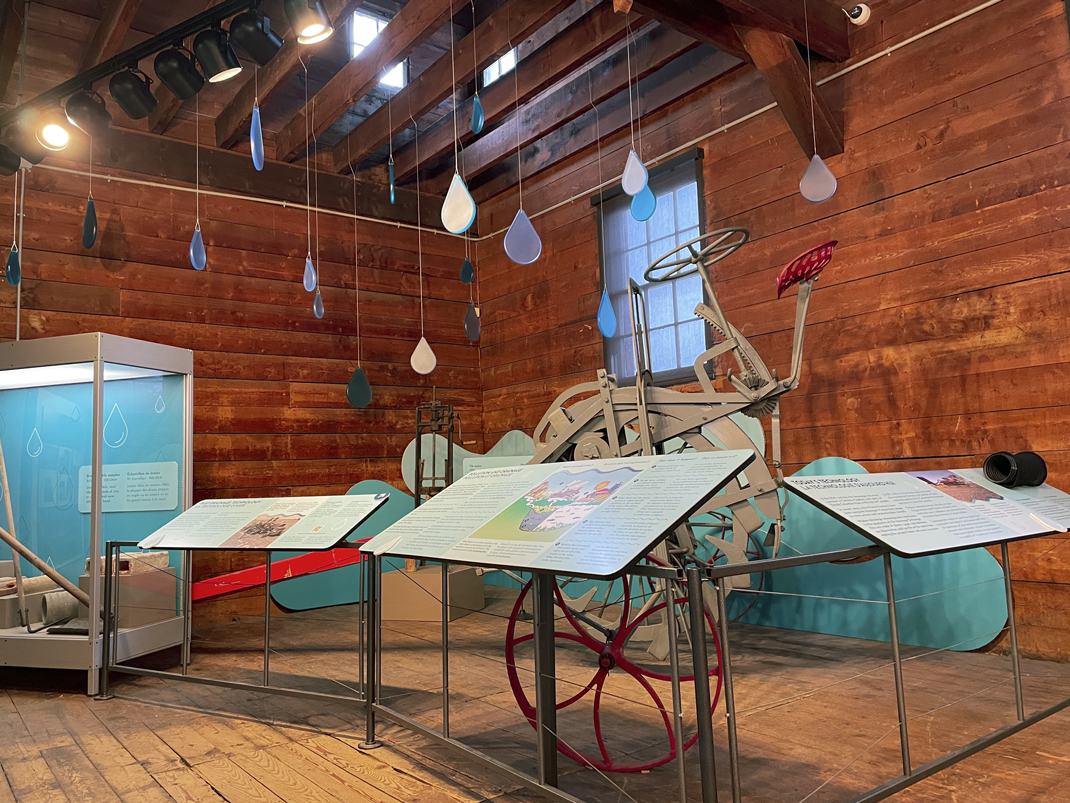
(613, 662)
(711, 247)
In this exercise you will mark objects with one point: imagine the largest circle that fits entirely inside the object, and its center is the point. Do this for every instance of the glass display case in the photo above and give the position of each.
(96, 439)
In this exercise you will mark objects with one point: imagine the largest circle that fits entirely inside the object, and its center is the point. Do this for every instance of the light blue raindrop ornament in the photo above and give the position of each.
(89, 224)
(635, 175)
(817, 184)
(390, 168)
(317, 305)
(359, 389)
(477, 115)
(468, 273)
(310, 274)
(459, 209)
(14, 267)
(256, 139)
(522, 243)
(607, 319)
(644, 204)
(471, 322)
(198, 257)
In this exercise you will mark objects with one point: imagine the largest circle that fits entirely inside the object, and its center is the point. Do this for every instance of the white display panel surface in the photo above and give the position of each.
(925, 512)
(300, 522)
(589, 519)
(1049, 503)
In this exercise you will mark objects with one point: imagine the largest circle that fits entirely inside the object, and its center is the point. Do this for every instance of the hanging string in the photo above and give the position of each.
(390, 125)
(91, 167)
(475, 59)
(317, 196)
(453, 67)
(15, 213)
(197, 154)
(356, 249)
(601, 204)
(810, 77)
(308, 181)
(628, 60)
(638, 107)
(419, 226)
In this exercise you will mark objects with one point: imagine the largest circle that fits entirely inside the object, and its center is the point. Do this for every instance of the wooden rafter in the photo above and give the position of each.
(536, 120)
(777, 58)
(507, 26)
(10, 35)
(702, 20)
(111, 31)
(590, 35)
(233, 120)
(826, 28)
(413, 25)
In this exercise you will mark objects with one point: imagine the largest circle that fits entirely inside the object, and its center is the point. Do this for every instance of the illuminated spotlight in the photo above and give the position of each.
(309, 20)
(215, 55)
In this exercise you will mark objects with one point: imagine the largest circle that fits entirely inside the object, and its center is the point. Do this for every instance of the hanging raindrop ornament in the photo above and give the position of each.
(635, 175)
(459, 209)
(310, 274)
(477, 115)
(317, 305)
(818, 184)
(198, 257)
(607, 319)
(256, 138)
(423, 360)
(390, 168)
(13, 269)
(471, 322)
(468, 272)
(89, 224)
(359, 389)
(522, 242)
(644, 204)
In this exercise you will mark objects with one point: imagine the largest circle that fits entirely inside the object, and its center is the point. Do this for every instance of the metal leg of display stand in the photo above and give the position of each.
(267, 618)
(445, 650)
(545, 679)
(729, 691)
(109, 626)
(1016, 663)
(674, 663)
(187, 608)
(371, 690)
(900, 695)
(701, 668)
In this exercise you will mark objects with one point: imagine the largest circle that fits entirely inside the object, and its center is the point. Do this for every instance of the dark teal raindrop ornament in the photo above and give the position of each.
(468, 273)
(359, 390)
(14, 267)
(644, 204)
(256, 139)
(607, 319)
(477, 115)
(89, 225)
(390, 167)
(471, 322)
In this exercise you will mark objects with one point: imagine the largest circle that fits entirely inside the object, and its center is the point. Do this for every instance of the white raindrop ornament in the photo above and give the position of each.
(817, 184)
(635, 175)
(423, 360)
(459, 209)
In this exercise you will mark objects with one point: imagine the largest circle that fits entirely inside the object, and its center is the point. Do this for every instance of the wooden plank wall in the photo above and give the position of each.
(938, 333)
(270, 416)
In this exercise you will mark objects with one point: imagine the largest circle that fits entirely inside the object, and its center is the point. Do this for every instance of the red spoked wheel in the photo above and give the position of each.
(613, 664)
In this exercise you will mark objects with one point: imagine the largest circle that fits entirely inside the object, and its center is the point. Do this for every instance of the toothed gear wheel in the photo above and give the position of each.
(761, 408)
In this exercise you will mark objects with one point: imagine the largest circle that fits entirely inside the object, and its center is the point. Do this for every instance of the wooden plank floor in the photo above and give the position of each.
(816, 714)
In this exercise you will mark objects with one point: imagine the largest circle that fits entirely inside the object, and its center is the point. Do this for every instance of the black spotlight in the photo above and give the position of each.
(177, 72)
(9, 161)
(309, 20)
(130, 88)
(21, 139)
(215, 55)
(251, 31)
(86, 110)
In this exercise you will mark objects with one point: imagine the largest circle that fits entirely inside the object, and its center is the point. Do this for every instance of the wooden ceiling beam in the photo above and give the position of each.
(778, 60)
(111, 31)
(536, 120)
(582, 41)
(827, 25)
(10, 37)
(413, 25)
(509, 25)
(702, 20)
(232, 122)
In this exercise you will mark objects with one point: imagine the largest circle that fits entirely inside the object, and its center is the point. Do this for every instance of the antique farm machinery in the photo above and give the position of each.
(622, 624)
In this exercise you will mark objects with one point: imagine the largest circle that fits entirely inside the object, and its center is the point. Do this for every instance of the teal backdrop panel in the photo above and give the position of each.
(953, 601)
(342, 586)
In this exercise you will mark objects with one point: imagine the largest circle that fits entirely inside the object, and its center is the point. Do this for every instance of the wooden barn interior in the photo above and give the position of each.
(933, 341)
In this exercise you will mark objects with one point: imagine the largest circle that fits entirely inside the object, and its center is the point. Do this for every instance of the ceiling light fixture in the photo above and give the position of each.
(215, 55)
(20, 138)
(52, 133)
(86, 110)
(176, 70)
(131, 91)
(9, 161)
(309, 20)
(251, 31)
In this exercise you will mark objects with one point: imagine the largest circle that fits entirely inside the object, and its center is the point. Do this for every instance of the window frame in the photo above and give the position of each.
(381, 23)
(693, 159)
(484, 83)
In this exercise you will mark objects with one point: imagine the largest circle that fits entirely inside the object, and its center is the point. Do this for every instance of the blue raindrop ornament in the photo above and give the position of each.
(477, 115)
(317, 305)
(198, 257)
(309, 278)
(459, 209)
(390, 168)
(89, 224)
(607, 319)
(522, 243)
(14, 267)
(644, 204)
(256, 139)
(471, 322)
(468, 273)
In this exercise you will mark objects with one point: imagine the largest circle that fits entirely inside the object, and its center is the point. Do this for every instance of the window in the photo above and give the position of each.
(677, 336)
(363, 30)
(499, 68)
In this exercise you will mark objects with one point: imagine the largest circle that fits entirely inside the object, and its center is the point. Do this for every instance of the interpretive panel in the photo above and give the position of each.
(302, 523)
(130, 487)
(1047, 502)
(924, 512)
(589, 519)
